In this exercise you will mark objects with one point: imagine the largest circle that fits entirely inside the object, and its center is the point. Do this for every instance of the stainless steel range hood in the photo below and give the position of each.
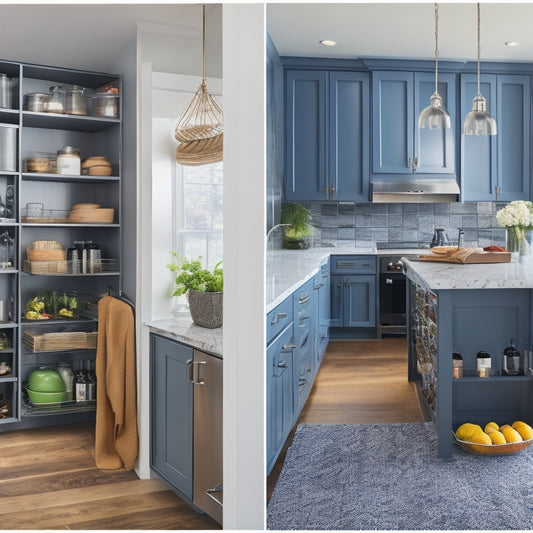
(415, 190)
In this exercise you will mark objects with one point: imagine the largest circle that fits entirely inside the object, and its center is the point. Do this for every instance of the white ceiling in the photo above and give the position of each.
(402, 30)
(90, 36)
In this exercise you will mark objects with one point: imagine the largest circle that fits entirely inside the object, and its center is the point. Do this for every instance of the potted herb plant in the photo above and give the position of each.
(299, 217)
(203, 288)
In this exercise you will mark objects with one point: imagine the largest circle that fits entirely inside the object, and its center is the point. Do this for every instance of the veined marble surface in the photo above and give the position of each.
(442, 276)
(182, 329)
(286, 270)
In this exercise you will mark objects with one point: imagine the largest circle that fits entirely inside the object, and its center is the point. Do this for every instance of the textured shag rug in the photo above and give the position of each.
(388, 476)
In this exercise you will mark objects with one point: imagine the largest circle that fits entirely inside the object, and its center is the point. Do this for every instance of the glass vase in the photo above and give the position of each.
(515, 236)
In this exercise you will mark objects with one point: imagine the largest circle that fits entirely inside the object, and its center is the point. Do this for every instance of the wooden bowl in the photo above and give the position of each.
(101, 215)
(492, 449)
(85, 206)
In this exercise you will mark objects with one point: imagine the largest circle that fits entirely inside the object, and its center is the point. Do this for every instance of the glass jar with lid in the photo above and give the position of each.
(69, 161)
(66, 373)
(56, 104)
(76, 101)
(105, 105)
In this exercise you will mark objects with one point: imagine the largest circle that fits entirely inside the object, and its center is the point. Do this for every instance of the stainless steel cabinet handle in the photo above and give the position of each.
(415, 164)
(388, 281)
(303, 299)
(344, 264)
(288, 347)
(278, 317)
(304, 318)
(282, 364)
(318, 286)
(408, 162)
(216, 490)
(188, 369)
(196, 373)
(365, 265)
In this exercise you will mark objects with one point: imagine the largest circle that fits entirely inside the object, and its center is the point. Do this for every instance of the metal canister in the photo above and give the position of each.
(5, 91)
(73, 260)
(8, 148)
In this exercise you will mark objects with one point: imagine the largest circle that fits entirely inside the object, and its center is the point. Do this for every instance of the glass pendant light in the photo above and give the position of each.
(435, 116)
(479, 121)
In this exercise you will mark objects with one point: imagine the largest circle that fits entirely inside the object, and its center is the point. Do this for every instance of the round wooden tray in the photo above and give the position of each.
(493, 449)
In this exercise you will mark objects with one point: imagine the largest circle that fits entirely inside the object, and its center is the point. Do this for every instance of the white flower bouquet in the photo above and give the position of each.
(517, 217)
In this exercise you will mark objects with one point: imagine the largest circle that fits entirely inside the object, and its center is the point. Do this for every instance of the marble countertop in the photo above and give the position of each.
(182, 329)
(286, 270)
(444, 276)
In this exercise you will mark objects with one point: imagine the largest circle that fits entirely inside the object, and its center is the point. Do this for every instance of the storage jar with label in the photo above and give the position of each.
(483, 364)
(69, 161)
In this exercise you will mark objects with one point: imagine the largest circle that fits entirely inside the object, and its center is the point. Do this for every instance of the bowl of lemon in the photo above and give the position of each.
(494, 439)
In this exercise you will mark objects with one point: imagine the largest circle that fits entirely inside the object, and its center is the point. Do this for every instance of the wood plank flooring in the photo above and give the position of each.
(48, 480)
(359, 382)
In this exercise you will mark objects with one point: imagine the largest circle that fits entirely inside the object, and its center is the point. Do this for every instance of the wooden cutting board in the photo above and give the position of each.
(465, 256)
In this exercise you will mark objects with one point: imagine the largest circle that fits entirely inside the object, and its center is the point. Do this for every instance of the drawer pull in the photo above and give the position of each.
(318, 286)
(282, 364)
(342, 264)
(303, 299)
(278, 317)
(288, 347)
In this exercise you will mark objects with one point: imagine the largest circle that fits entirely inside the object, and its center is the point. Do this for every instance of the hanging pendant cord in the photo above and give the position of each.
(203, 42)
(478, 48)
(436, 44)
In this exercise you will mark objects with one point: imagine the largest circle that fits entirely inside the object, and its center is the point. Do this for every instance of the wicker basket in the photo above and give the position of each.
(46, 251)
(45, 267)
(57, 341)
(201, 152)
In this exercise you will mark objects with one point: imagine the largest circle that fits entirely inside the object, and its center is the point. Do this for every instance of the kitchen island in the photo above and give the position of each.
(468, 308)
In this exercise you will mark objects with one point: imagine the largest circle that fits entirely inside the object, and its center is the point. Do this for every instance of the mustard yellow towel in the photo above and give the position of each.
(116, 443)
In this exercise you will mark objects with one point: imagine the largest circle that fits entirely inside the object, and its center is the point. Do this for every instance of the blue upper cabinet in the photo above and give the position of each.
(398, 146)
(497, 167)
(306, 135)
(327, 149)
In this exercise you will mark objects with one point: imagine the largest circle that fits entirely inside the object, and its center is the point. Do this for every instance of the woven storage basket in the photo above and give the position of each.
(56, 341)
(46, 251)
(45, 267)
(201, 152)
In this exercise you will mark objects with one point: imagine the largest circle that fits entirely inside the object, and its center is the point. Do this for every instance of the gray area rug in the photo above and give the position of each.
(388, 476)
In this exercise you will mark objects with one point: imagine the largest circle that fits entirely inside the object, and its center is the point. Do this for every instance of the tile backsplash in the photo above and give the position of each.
(343, 223)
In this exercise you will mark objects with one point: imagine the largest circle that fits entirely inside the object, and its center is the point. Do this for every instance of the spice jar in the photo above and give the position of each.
(75, 102)
(69, 161)
(457, 365)
(57, 100)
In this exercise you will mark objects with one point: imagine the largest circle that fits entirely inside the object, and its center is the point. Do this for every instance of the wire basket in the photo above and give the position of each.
(75, 267)
(46, 251)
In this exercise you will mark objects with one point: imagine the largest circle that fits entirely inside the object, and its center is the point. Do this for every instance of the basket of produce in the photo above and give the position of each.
(56, 305)
(37, 341)
(493, 439)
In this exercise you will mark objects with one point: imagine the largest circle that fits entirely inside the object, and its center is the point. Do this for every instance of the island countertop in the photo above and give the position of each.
(446, 276)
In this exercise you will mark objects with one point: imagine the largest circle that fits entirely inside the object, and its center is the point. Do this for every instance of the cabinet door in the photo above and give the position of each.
(336, 309)
(478, 152)
(282, 394)
(434, 149)
(392, 122)
(171, 417)
(360, 301)
(323, 305)
(513, 139)
(348, 148)
(306, 135)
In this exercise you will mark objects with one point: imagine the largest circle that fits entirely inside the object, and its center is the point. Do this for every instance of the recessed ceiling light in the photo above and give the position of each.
(327, 42)
(511, 43)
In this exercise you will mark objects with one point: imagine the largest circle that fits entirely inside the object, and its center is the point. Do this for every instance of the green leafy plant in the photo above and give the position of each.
(192, 276)
(299, 217)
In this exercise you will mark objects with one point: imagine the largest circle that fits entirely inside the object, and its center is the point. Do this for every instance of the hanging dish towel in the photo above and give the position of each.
(116, 390)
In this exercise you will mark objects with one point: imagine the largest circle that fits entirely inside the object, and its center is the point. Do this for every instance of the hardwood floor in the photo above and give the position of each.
(48, 480)
(359, 382)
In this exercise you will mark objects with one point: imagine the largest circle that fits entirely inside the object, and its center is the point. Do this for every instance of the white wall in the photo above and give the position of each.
(244, 270)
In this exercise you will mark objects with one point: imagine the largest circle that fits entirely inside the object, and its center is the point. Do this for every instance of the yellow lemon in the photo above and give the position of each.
(510, 434)
(497, 437)
(465, 431)
(490, 427)
(525, 430)
(480, 437)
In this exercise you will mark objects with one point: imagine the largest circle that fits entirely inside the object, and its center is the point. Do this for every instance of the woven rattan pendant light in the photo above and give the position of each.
(200, 127)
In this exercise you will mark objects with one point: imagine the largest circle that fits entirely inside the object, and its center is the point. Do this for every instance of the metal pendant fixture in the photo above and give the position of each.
(435, 116)
(479, 121)
(200, 127)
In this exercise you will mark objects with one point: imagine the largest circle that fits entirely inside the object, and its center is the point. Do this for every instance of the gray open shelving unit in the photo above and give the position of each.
(48, 132)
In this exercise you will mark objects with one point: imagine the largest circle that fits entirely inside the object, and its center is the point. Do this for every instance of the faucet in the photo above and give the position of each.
(276, 226)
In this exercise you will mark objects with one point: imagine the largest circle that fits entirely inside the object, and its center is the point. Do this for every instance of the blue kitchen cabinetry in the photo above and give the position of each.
(398, 145)
(322, 310)
(282, 390)
(497, 167)
(327, 144)
(353, 295)
(171, 420)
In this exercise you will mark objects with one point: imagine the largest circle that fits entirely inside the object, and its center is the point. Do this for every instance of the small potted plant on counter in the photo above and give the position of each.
(203, 288)
(299, 217)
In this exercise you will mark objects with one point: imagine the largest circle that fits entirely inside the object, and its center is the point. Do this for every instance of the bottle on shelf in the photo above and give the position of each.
(484, 364)
(457, 365)
(91, 383)
(80, 386)
(511, 360)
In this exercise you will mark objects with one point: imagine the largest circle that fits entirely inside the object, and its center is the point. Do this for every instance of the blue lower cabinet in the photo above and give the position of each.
(171, 417)
(322, 311)
(337, 299)
(281, 393)
(360, 301)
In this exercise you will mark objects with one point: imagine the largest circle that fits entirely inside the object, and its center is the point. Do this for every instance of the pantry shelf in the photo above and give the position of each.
(90, 124)
(35, 176)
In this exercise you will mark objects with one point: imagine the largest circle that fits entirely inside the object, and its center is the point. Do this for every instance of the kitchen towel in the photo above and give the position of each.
(116, 390)
(452, 254)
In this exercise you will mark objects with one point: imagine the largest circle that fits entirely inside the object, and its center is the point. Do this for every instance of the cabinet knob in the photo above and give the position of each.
(333, 191)
(346, 283)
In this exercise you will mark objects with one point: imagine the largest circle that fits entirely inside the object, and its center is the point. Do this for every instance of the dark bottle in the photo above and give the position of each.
(483, 364)
(511, 359)
(457, 365)
(80, 387)
(91, 383)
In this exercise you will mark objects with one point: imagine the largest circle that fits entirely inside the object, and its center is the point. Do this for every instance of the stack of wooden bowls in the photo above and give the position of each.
(90, 213)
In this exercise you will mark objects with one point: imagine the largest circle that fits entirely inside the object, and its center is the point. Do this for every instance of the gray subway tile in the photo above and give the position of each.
(394, 234)
(329, 209)
(486, 221)
(363, 221)
(410, 221)
(379, 209)
(470, 221)
(363, 234)
(394, 209)
(379, 221)
(346, 209)
(484, 208)
(410, 209)
(426, 209)
(346, 234)
(442, 221)
(410, 235)
(442, 208)
(456, 221)
(426, 223)
(379, 234)
(346, 221)
(363, 208)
